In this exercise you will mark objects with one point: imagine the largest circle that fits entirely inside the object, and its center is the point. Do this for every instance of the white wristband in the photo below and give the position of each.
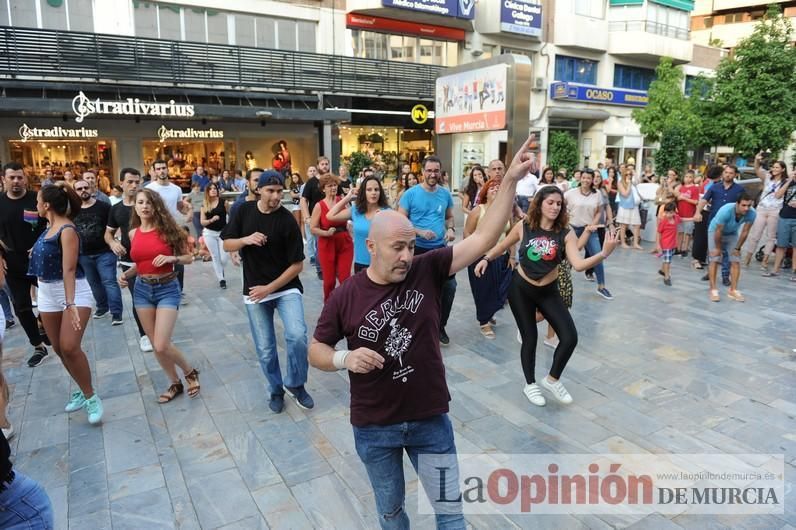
(339, 359)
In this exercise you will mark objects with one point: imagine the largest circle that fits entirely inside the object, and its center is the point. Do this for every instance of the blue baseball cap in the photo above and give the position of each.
(270, 178)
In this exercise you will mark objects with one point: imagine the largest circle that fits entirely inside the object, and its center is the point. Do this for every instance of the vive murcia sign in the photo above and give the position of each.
(31, 133)
(83, 107)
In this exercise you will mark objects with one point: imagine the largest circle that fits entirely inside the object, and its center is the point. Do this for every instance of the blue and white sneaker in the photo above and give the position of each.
(94, 409)
(300, 396)
(76, 402)
(605, 293)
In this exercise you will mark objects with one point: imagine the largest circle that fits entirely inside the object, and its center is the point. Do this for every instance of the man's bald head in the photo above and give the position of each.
(391, 244)
(387, 223)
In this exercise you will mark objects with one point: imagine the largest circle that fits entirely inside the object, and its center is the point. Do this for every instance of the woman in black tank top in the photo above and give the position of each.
(546, 242)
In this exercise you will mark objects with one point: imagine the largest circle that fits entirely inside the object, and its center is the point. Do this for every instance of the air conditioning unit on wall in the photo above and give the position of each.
(538, 83)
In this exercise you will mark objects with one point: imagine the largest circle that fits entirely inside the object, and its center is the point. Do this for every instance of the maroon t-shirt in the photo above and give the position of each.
(401, 322)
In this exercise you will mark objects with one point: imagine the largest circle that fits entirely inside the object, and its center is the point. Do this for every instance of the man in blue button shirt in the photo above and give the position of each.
(200, 178)
(717, 195)
(429, 207)
(724, 239)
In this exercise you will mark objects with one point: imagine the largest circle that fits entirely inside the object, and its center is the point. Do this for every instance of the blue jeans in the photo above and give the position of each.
(261, 322)
(381, 448)
(25, 505)
(5, 303)
(592, 249)
(100, 272)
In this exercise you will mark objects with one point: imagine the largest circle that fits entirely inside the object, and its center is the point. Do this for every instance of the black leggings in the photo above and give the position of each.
(524, 300)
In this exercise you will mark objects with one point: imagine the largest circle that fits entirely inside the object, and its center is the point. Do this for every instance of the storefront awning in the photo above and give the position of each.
(578, 114)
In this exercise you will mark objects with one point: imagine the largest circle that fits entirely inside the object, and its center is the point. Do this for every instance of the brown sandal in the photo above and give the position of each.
(192, 378)
(172, 392)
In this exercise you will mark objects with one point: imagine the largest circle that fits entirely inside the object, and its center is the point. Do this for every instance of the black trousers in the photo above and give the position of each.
(448, 292)
(700, 246)
(131, 287)
(19, 286)
(524, 300)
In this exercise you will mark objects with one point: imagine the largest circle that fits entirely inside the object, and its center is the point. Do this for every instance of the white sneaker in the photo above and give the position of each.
(144, 344)
(534, 395)
(557, 389)
(551, 343)
(9, 432)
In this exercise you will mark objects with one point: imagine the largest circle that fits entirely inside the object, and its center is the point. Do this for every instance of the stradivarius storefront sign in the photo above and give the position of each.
(32, 133)
(84, 107)
(164, 133)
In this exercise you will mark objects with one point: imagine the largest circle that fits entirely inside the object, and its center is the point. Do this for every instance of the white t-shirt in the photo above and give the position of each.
(171, 195)
(526, 187)
(581, 208)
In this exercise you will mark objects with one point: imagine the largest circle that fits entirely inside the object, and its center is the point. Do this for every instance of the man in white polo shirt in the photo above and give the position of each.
(172, 197)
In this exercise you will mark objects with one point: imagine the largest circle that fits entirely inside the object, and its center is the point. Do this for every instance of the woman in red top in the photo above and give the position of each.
(156, 245)
(335, 247)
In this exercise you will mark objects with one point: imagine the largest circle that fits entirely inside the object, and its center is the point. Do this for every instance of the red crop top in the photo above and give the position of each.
(145, 247)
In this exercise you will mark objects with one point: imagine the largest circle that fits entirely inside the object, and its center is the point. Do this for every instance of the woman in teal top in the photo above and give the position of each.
(367, 204)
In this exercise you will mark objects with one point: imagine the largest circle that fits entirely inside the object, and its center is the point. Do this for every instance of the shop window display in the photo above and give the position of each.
(183, 157)
(285, 154)
(57, 156)
(388, 147)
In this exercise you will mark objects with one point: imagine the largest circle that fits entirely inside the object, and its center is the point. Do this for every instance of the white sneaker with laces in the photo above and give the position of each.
(551, 343)
(534, 395)
(144, 344)
(557, 389)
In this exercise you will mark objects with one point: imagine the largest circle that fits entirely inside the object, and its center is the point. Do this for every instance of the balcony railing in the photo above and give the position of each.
(650, 27)
(33, 53)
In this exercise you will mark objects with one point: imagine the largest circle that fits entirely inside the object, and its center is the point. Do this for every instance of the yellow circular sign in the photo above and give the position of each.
(419, 114)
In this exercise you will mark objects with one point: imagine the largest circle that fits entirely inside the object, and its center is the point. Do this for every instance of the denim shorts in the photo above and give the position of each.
(156, 296)
(786, 233)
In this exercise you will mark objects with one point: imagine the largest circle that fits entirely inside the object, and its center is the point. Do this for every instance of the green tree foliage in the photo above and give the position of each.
(668, 107)
(673, 152)
(753, 101)
(356, 163)
(563, 151)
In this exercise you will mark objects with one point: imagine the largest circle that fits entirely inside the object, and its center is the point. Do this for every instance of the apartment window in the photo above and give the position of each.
(171, 25)
(306, 36)
(576, 70)
(733, 18)
(286, 34)
(217, 29)
(53, 14)
(244, 30)
(81, 15)
(668, 22)
(23, 13)
(407, 48)
(690, 81)
(265, 33)
(145, 20)
(633, 77)
(194, 20)
(590, 8)
(708, 22)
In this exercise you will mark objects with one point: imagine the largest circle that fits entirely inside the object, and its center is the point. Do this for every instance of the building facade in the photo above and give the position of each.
(723, 23)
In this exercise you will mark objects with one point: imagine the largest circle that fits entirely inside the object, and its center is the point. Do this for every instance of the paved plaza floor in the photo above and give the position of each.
(657, 370)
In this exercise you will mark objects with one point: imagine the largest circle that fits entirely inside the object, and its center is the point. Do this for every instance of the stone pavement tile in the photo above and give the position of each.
(203, 455)
(292, 452)
(250, 523)
(655, 522)
(722, 522)
(503, 436)
(544, 522)
(122, 406)
(118, 384)
(464, 407)
(135, 481)
(280, 508)
(221, 498)
(98, 519)
(60, 500)
(250, 394)
(340, 434)
(117, 365)
(48, 465)
(251, 459)
(184, 513)
(763, 437)
(675, 441)
(42, 432)
(187, 418)
(88, 490)
(633, 420)
(352, 472)
(328, 503)
(150, 510)
(618, 445)
(754, 410)
(510, 402)
(575, 426)
(128, 444)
